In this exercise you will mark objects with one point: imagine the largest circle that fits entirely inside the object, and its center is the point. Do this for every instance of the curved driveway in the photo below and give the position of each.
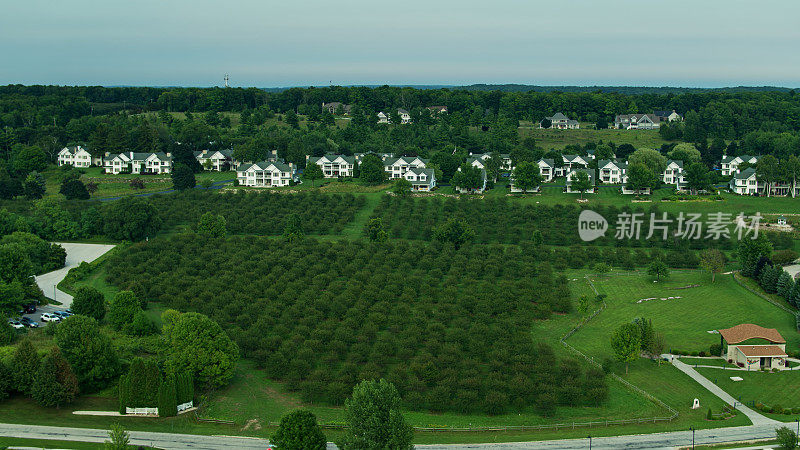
(76, 254)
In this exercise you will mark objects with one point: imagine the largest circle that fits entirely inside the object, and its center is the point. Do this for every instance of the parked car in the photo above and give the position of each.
(62, 314)
(30, 308)
(29, 322)
(15, 324)
(48, 317)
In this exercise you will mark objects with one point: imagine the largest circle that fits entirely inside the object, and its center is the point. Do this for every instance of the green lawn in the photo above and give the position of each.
(685, 322)
(47, 443)
(780, 388)
(717, 362)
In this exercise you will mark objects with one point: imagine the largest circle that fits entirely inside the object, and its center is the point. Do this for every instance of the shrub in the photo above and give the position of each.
(167, 401)
(710, 415)
(299, 430)
(715, 350)
(701, 353)
(88, 301)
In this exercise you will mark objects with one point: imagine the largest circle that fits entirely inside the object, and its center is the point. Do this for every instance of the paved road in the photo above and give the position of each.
(754, 416)
(669, 440)
(76, 254)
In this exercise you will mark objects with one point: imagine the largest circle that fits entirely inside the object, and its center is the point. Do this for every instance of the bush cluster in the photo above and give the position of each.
(451, 329)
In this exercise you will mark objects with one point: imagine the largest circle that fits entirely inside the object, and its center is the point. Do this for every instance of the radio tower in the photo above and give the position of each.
(226, 80)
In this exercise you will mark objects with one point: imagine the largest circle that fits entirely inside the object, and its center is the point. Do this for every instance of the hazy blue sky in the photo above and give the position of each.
(296, 43)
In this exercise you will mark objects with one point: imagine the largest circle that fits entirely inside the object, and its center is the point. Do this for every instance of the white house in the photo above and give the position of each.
(562, 122)
(334, 166)
(477, 161)
(75, 157)
(730, 164)
(570, 162)
(612, 172)
(405, 117)
(421, 179)
(505, 160)
(637, 121)
(397, 167)
(744, 182)
(753, 347)
(266, 174)
(437, 109)
(547, 168)
(382, 117)
(673, 174)
(571, 177)
(138, 163)
(217, 160)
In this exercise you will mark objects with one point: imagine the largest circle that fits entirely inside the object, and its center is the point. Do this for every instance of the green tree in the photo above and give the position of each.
(7, 334)
(584, 303)
(374, 419)
(119, 439)
(375, 231)
(122, 309)
(131, 219)
(787, 439)
(199, 346)
(580, 182)
(34, 186)
(685, 152)
(29, 158)
(468, 178)
(749, 251)
(713, 261)
(211, 225)
(697, 177)
(167, 397)
(658, 269)
(313, 172)
(768, 171)
(291, 119)
(74, 190)
(90, 353)
(183, 177)
(55, 384)
(792, 169)
(15, 264)
(372, 170)
(650, 158)
(455, 231)
(25, 365)
(626, 342)
(640, 177)
(299, 430)
(88, 301)
(401, 187)
(293, 230)
(527, 176)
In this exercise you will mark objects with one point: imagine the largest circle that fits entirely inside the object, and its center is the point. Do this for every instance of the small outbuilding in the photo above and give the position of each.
(754, 347)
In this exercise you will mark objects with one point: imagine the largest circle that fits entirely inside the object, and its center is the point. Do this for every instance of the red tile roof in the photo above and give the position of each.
(745, 331)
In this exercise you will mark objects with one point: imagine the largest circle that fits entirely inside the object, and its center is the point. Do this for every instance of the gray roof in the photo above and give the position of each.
(621, 164)
(547, 161)
(727, 159)
(430, 174)
(557, 116)
(140, 156)
(262, 165)
(745, 174)
(402, 111)
(676, 161)
(589, 172)
(402, 159)
(73, 149)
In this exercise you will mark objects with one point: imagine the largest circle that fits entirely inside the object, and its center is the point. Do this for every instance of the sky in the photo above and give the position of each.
(268, 43)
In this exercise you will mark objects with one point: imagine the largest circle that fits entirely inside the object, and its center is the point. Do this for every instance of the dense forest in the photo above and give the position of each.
(450, 328)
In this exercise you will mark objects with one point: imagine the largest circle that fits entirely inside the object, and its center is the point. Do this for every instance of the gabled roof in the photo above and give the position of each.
(727, 159)
(429, 174)
(619, 164)
(677, 162)
(547, 161)
(589, 172)
(745, 174)
(73, 150)
(331, 157)
(265, 165)
(557, 116)
(745, 331)
(403, 160)
(402, 111)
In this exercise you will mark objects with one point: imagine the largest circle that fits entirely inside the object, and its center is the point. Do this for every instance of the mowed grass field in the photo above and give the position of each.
(781, 388)
(685, 322)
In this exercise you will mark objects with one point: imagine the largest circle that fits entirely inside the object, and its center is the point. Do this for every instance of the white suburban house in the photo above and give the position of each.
(216, 160)
(753, 347)
(405, 116)
(570, 162)
(437, 109)
(547, 168)
(730, 164)
(76, 157)
(382, 117)
(746, 182)
(562, 122)
(421, 179)
(137, 163)
(673, 174)
(637, 121)
(571, 177)
(397, 167)
(479, 160)
(334, 166)
(266, 174)
(612, 171)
